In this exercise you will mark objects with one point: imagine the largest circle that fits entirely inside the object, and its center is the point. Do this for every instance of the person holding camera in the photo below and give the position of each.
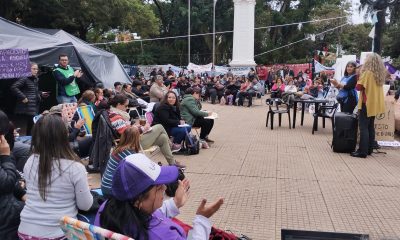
(137, 208)
(66, 77)
(347, 96)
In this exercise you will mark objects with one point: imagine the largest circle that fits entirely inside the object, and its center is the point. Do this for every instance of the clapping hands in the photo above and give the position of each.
(182, 193)
(208, 211)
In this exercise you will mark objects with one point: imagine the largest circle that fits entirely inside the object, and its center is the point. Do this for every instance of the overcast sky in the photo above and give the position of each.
(357, 17)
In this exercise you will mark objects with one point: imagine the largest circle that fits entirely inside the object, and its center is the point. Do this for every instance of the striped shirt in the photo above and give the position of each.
(112, 164)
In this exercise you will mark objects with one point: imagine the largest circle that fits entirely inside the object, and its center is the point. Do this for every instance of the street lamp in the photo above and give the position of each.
(380, 6)
(188, 32)
(213, 56)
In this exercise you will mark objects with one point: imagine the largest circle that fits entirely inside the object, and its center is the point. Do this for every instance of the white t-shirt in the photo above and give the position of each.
(69, 191)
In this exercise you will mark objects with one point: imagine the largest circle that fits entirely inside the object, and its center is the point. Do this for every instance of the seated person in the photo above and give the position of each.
(192, 114)
(278, 89)
(138, 91)
(156, 135)
(79, 142)
(232, 88)
(128, 144)
(317, 89)
(253, 87)
(127, 91)
(158, 89)
(301, 84)
(56, 181)
(137, 209)
(219, 87)
(290, 92)
(182, 85)
(12, 194)
(168, 115)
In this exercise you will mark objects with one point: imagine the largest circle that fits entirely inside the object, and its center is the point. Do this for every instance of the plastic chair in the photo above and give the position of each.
(276, 106)
(324, 112)
(78, 230)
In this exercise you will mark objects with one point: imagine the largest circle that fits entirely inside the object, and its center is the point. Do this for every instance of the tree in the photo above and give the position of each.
(79, 17)
(380, 6)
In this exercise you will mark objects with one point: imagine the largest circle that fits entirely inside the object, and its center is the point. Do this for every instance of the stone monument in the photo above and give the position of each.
(243, 33)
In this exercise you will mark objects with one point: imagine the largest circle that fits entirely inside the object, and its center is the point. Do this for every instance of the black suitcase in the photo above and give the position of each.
(345, 132)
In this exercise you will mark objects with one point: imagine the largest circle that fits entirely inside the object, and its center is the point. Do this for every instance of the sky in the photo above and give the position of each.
(357, 17)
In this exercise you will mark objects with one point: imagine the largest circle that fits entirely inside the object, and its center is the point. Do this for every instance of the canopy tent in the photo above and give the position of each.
(45, 45)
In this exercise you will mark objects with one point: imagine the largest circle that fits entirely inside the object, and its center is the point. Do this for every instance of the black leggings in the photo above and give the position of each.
(206, 126)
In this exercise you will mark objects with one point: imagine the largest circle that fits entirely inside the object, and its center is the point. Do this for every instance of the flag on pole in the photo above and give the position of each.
(372, 33)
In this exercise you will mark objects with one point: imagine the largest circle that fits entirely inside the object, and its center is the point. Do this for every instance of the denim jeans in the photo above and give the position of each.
(179, 133)
(66, 99)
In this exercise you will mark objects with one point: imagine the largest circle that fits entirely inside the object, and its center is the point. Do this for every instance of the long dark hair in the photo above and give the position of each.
(118, 99)
(50, 142)
(165, 99)
(354, 65)
(7, 129)
(125, 218)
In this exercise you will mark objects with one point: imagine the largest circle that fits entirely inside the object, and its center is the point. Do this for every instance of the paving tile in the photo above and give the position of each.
(289, 178)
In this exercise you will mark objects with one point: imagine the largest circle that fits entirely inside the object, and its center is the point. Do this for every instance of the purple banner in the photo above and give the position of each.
(14, 63)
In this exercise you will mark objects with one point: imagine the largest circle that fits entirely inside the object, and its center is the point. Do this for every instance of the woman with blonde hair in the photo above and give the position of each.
(371, 103)
(128, 144)
(88, 98)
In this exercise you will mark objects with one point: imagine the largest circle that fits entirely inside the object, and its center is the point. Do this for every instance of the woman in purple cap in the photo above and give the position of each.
(137, 208)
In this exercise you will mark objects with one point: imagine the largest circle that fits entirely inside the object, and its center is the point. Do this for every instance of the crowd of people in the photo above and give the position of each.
(52, 182)
(42, 176)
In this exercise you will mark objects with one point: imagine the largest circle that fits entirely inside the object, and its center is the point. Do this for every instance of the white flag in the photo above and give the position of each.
(372, 33)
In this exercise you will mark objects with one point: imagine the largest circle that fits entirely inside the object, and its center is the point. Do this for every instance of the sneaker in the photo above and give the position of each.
(91, 169)
(208, 140)
(176, 147)
(179, 165)
(204, 144)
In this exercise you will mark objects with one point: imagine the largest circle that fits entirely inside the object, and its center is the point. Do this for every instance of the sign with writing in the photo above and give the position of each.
(14, 63)
(384, 123)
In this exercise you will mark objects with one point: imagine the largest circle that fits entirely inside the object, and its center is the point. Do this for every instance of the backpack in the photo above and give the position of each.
(191, 144)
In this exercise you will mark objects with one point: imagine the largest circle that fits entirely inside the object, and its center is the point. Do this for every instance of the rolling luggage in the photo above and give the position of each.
(345, 132)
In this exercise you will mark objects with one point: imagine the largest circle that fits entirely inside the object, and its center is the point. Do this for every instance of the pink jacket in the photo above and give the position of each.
(281, 89)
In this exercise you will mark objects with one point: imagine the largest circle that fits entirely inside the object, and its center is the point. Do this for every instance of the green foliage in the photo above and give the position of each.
(91, 20)
(79, 17)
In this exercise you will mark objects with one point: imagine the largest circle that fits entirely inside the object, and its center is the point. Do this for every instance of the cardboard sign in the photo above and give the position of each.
(14, 63)
(384, 123)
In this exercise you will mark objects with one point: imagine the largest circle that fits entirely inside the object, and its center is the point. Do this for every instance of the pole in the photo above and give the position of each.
(141, 46)
(213, 56)
(188, 32)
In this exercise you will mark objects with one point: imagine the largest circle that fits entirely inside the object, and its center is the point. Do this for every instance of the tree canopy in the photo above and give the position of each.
(93, 20)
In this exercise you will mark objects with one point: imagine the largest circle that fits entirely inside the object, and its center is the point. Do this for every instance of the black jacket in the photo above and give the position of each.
(168, 116)
(103, 136)
(10, 206)
(27, 88)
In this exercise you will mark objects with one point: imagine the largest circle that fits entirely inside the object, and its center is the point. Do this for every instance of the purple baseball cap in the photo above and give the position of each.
(136, 172)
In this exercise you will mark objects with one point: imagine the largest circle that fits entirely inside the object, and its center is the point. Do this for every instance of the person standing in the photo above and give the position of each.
(28, 97)
(347, 96)
(371, 103)
(67, 88)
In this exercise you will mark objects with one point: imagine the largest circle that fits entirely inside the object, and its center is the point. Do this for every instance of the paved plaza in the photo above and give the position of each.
(291, 179)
